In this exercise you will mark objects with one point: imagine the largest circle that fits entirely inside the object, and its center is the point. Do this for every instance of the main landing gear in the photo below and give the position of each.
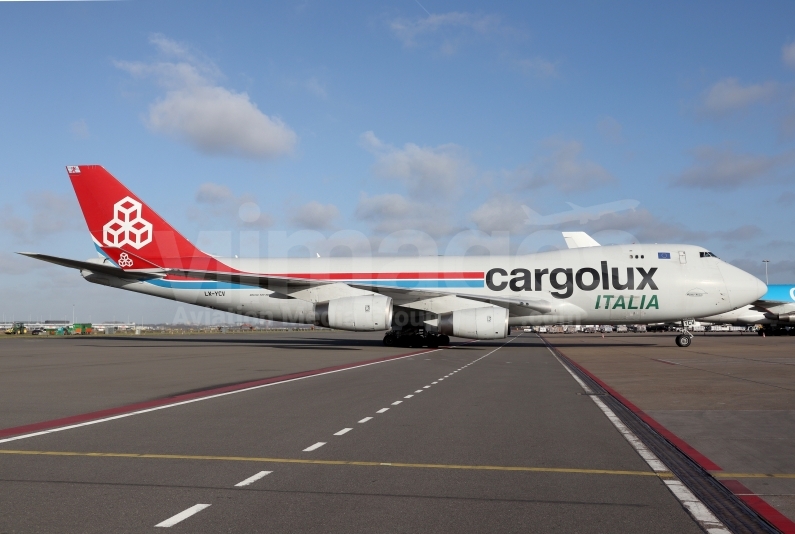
(685, 338)
(415, 338)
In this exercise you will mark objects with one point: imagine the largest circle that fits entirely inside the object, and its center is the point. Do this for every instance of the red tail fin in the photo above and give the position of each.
(120, 221)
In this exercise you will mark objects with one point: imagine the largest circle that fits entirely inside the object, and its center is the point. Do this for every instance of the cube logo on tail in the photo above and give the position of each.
(128, 227)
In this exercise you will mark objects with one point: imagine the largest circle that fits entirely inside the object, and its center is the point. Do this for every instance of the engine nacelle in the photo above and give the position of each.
(475, 323)
(367, 312)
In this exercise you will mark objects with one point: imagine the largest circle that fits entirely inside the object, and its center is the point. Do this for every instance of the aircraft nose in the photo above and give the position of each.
(743, 288)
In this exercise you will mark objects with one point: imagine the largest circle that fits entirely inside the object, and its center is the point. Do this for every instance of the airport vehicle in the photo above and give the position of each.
(417, 300)
(82, 329)
(774, 311)
(17, 328)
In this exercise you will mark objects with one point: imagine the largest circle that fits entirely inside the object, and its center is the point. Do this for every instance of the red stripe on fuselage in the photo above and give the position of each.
(361, 276)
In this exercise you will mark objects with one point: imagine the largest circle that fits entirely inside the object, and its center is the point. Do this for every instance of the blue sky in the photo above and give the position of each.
(342, 123)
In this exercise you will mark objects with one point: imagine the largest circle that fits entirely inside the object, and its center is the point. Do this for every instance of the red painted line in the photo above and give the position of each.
(383, 276)
(760, 506)
(359, 276)
(82, 418)
(756, 503)
(678, 442)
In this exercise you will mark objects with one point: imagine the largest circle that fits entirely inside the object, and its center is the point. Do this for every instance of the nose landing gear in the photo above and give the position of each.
(685, 338)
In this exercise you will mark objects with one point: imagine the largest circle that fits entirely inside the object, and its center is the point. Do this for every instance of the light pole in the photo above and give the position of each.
(766, 262)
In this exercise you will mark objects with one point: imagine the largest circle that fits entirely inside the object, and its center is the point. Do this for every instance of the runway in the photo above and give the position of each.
(314, 433)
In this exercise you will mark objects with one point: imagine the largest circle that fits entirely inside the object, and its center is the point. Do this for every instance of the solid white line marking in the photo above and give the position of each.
(156, 408)
(382, 410)
(700, 513)
(396, 403)
(254, 478)
(171, 521)
(408, 396)
(343, 431)
(315, 446)
(365, 419)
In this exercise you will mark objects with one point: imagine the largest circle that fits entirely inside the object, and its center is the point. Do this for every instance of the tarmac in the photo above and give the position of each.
(320, 432)
(729, 397)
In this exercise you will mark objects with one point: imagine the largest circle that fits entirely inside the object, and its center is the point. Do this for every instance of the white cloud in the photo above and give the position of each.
(48, 213)
(315, 216)
(217, 201)
(538, 68)
(564, 168)
(211, 193)
(408, 31)
(788, 54)
(722, 168)
(728, 96)
(199, 111)
(391, 213)
(314, 86)
(500, 214)
(423, 170)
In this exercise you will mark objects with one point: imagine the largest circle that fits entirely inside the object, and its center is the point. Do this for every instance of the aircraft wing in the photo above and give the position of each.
(406, 296)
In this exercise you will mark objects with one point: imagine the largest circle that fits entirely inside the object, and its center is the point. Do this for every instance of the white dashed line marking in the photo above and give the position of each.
(425, 387)
(396, 403)
(254, 478)
(200, 399)
(315, 446)
(365, 419)
(382, 410)
(418, 391)
(171, 521)
(408, 396)
(434, 382)
(343, 431)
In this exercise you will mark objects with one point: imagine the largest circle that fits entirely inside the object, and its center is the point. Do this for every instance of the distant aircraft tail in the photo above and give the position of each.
(127, 230)
(533, 217)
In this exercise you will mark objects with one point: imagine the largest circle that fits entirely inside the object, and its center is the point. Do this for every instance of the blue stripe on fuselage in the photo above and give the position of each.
(403, 284)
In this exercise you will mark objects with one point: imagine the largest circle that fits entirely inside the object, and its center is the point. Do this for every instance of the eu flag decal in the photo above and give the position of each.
(663, 255)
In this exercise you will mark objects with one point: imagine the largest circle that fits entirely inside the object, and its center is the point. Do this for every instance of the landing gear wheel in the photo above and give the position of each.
(683, 340)
(389, 340)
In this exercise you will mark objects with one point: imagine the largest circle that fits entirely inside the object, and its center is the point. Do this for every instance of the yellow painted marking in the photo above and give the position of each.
(721, 474)
(664, 474)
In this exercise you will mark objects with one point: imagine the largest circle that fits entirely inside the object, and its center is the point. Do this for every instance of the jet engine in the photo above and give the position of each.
(363, 313)
(476, 323)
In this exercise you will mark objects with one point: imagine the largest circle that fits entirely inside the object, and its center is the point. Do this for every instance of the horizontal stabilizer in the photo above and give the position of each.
(103, 268)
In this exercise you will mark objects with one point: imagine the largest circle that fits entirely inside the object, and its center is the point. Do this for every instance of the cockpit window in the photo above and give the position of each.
(707, 255)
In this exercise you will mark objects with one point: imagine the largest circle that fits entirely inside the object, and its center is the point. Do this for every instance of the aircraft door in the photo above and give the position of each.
(682, 257)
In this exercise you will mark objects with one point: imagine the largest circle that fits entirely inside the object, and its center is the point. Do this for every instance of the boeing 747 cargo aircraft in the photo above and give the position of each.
(417, 300)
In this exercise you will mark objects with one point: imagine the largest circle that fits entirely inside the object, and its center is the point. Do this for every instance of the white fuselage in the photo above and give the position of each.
(685, 285)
